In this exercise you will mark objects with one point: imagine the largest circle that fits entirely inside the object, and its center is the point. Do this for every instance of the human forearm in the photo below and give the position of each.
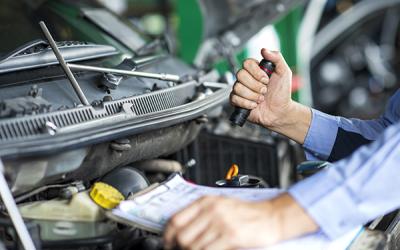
(225, 223)
(364, 185)
(294, 122)
(330, 137)
(324, 137)
(291, 219)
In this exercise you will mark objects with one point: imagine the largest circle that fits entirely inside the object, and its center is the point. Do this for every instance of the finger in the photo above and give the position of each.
(252, 66)
(177, 221)
(242, 102)
(169, 236)
(248, 80)
(191, 211)
(243, 91)
(275, 57)
(205, 239)
(188, 235)
(220, 243)
(181, 219)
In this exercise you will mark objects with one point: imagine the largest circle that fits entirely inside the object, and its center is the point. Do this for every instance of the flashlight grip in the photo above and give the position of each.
(239, 115)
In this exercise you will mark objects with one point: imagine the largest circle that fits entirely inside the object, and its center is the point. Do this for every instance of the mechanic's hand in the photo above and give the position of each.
(269, 99)
(222, 223)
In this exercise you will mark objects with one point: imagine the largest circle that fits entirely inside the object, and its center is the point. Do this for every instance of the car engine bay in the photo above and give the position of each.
(132, 114)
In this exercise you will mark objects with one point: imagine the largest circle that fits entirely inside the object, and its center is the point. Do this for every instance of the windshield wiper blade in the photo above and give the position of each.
(37, 53)
(25, 48)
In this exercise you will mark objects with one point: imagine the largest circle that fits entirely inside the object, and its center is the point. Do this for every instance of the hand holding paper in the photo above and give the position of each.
(217, 217)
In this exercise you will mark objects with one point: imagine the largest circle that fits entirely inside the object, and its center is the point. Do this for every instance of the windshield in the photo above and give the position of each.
(19, 25)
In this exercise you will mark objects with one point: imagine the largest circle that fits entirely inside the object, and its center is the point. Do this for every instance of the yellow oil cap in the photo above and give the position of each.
(106, 196)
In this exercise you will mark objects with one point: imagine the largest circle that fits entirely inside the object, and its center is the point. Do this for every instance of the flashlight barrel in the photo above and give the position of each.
(239, 115)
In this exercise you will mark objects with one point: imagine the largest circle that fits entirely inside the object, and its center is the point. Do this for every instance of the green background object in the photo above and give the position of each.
(190, 28)
(287, 29)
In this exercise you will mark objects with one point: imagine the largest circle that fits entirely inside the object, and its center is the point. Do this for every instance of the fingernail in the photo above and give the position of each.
(253, 105)
(263, 90)
(260, 98)
(264, 80)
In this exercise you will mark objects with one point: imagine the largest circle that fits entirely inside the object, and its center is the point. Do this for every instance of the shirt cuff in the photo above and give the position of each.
(321, 136)
(328, 202)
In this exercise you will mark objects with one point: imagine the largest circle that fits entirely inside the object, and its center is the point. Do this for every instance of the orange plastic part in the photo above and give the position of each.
(232, 172)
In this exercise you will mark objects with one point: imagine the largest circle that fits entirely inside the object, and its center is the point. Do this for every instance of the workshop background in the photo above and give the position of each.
(351, 79)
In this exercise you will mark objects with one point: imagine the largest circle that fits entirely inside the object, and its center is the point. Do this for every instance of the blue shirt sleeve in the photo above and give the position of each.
(320, 136)
(355, 190)
(329, 134)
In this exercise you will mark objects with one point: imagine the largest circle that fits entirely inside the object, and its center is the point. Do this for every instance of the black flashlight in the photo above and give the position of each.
(239, 116)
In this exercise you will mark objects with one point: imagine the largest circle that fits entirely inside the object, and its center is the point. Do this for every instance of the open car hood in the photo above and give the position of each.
(231, 23)
(40, 113)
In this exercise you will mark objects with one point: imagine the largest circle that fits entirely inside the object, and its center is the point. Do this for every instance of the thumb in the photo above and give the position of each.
(276, 58)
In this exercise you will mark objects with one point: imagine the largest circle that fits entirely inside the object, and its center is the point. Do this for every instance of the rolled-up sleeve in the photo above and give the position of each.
(355, 190)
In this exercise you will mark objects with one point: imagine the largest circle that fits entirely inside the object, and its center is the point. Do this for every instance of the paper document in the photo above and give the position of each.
(152, 210)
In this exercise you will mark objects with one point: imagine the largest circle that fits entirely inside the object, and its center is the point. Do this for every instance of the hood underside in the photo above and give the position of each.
(244, 18)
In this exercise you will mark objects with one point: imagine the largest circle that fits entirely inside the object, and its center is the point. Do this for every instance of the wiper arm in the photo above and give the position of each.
(159, 76)
(67, 68)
